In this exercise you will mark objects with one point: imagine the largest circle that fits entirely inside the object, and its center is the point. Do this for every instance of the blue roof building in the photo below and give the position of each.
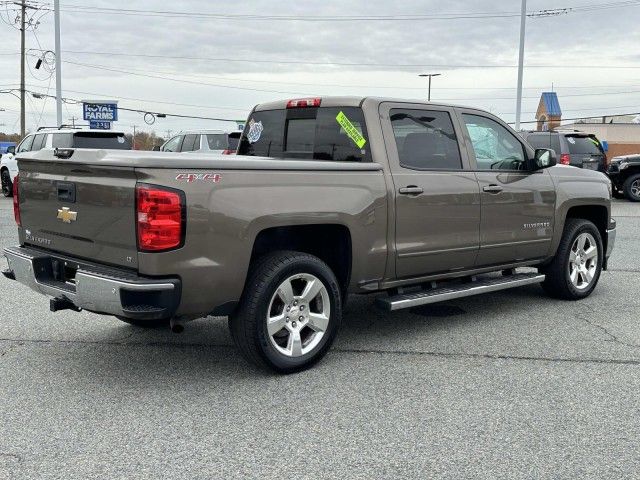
(549, 113)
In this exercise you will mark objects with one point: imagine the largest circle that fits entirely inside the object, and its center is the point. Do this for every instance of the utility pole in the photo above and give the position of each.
(56, 7)
(168, 134)
(523, 21)
(430, 75)
(133, 139)
(72, 120)
(22, 71)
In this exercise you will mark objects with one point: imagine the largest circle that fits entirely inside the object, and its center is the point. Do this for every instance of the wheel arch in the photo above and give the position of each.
(330, 242)
(597, 214)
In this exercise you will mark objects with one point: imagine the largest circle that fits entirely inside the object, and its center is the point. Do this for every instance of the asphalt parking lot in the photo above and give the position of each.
(507, 385)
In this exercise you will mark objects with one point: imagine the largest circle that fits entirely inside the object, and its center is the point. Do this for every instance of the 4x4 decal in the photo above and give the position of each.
(198, 177)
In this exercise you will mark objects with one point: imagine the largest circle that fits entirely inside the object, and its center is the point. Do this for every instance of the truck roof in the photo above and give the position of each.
(350, 101)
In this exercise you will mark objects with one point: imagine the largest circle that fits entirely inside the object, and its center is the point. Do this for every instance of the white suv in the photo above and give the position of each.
(215, 141)
(58, 138)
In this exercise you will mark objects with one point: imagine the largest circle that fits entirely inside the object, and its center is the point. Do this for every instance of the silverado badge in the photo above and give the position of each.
(66, 215)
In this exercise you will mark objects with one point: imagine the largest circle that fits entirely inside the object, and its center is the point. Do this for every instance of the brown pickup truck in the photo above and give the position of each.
(326, 197)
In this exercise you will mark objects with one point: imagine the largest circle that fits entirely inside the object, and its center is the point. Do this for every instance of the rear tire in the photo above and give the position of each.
(289, 314)
(574, 271)
(631, 188)
(7, 184)
(159, 323)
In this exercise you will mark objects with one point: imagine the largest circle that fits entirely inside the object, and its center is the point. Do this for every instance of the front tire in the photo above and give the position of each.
(631, 188)
(574, 271)
(7, 184)
(289, 314)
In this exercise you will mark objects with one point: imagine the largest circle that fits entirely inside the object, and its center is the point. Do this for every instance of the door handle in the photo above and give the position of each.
(411, 190)
(492, 189)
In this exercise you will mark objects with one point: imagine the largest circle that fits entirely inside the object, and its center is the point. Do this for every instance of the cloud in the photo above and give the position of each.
(602, 37)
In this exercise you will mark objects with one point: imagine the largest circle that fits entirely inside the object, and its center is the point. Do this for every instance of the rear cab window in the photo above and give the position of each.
(336, 134)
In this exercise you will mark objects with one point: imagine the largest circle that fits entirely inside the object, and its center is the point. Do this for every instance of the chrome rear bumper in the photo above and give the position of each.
(92, 287)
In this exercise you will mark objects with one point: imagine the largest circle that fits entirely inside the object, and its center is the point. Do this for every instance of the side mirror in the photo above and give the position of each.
(11, 149)
(156, 148)
(544, 158)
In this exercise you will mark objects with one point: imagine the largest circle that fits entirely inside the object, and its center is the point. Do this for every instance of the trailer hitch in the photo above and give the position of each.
(61, 303)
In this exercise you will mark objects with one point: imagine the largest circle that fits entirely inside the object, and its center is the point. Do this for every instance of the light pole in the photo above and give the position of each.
(523, 20)
(56, 7)
(430, 75)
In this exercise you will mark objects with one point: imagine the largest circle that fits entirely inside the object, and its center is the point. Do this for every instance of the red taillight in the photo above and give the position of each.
(228, 152)
(160, 218)
(565, 159)
(16, 201)
(304, 102)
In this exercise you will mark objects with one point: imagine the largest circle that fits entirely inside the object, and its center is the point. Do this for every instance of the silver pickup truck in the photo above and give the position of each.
(326, 197)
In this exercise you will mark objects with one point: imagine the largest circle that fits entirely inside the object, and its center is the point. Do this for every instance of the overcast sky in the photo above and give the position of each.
(467, 51)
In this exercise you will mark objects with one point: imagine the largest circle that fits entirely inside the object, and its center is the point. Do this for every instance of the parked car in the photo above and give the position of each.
(422, 201)
(574, 148)
(215, 141)
(5, 147)
(57, 138)
(624, 173)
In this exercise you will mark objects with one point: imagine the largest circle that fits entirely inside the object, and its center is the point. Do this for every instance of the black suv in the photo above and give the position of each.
(572, 147)
(624, 173)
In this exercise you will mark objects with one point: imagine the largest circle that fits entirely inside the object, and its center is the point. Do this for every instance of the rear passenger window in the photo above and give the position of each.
(217, 141)
(327, 133)
(425, 140)
(546, 140)
(191, 143)
(38, 142)
(62, 140)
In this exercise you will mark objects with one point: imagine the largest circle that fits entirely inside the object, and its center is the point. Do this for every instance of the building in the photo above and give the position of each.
(549, 114)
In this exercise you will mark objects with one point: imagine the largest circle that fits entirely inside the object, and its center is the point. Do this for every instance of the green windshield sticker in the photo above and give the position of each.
(351, 131)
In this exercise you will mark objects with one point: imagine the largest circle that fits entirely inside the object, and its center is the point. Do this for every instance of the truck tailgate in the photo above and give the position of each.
(86, 211)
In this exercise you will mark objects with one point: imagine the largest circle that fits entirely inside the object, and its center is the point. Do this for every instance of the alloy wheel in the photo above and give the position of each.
(583, 261)
(298, 315)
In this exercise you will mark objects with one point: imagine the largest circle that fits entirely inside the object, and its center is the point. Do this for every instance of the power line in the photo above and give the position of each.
(338, 18)
(68, 100)
(337, 64)
(183, 80)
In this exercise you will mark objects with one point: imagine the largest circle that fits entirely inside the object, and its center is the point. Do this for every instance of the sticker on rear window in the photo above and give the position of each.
(351, 131)
(255, 131)
(571, 141)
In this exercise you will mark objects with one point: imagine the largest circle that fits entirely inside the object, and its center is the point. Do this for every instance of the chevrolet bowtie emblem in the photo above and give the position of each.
(66, 215)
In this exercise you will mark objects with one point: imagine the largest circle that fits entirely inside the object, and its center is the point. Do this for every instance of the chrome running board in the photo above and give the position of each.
(441, 294)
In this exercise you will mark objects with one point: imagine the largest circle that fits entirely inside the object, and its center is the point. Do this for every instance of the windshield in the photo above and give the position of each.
(113, 141)
(584, 145)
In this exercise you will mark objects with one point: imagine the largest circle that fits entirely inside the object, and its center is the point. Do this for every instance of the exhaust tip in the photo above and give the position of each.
(176, 326)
